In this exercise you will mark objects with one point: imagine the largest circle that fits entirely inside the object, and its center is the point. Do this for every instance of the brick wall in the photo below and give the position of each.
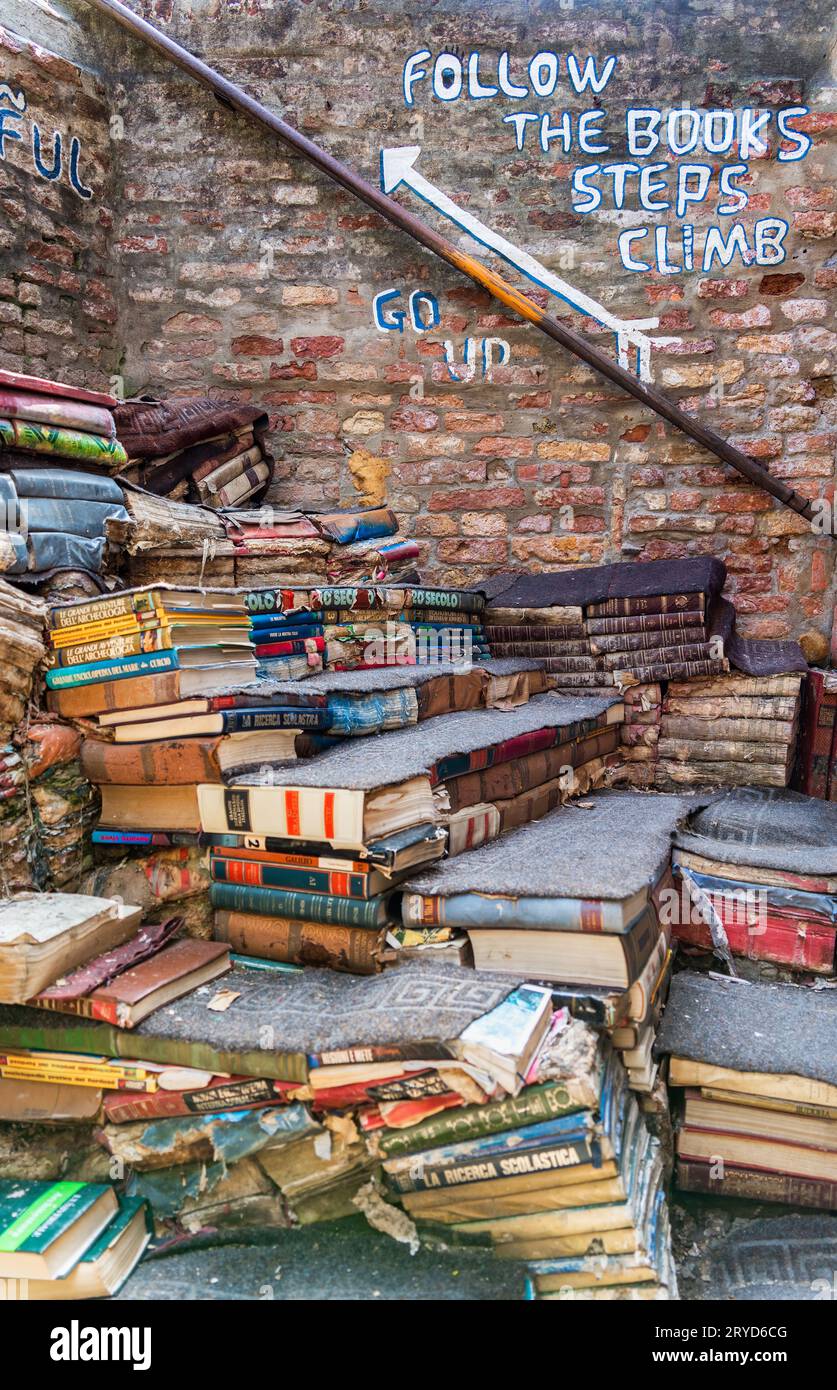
(241, 271)
(58, 312)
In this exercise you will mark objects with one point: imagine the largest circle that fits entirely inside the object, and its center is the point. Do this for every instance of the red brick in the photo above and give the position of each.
(318, 348)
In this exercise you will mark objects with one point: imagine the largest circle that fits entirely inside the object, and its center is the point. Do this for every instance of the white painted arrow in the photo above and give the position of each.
(398, 166)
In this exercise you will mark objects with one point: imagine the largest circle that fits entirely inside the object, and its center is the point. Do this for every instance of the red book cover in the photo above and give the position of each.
(797, 940)
(297, 647)
(222, 1093)
(56, 388)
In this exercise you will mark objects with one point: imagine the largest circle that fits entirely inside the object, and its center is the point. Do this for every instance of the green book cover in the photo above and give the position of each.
(34, 1214)
(128, 1208)
(545, 1102)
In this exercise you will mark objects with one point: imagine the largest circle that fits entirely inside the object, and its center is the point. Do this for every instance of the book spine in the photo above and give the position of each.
(801, 946)
(659, 603)
(113, 648)
(69, 1072)
(275, 633)
(676, 670)
(471, 911)
(115, 606)
(733, 774)
(97, 672)
(571, 1152)
(817, 722)
(240, 721)
(758, 686)
(310, 907)
(529, 632)
(296, 813)
(710, 749)
(291, 648)
(130, 625)
(694, 1176)
(730, 707)
(235, 850)
(657, 656)
(121, 1108)
(649, 622)
(556, 652)
(674, 726)
(537, 1103)
(355, 950)
(256, 873)
(647, 641)
(167, 762)
(298, 621)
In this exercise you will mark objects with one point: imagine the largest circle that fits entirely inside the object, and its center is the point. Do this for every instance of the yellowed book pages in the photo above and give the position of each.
(519, 1201)
(544, 1225)
(779, 1085)
(622, 1242)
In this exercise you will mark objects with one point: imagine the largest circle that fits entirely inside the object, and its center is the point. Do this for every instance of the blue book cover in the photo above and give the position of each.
(144, 664)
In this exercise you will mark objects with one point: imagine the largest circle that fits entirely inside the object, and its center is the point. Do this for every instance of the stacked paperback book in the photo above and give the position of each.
(756, 1077)
(68, 1240)
(560, 1173)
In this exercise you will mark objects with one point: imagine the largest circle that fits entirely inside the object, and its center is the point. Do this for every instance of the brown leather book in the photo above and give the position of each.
(175, 761)
(135, 692)
(354, 950)
(137, 992)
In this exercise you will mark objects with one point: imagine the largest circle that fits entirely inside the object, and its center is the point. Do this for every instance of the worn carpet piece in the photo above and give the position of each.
(753, 656)
(383, 759)
(748, 1026)
(611, 848)
(702, 574)
(365, 682)
(312, 1012)
(769, 828)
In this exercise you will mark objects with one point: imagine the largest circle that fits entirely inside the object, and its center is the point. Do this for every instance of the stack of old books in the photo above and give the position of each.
(548, 904)
(282, 1103)
(640, 735)
(757, 873)
(145, 647)
(815, 773)
(347, 627)
(559, 1172)
(200, 450)
(291, 846)
(754, 1064)
(737, 730)
(68, 1240)
(57, 422)
(621, 625)
(265, 546)
(48, 808)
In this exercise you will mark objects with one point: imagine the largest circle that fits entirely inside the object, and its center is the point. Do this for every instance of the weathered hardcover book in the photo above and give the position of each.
(796, 941)
(308, 875)
(533, 1106)
(729, 774)
(781, 708)
(222, 1093)
(651, 623)
(655, 603)
(46, 1227)
(135, 601)
(231, 890)
(508, 779)
(775, 731)
(133, 993)
(572, 680)
(569, 649)
(560, 633)
(710, 749)
(736, 684)
(674, 670)
(652, 657)
(645, 641)
(723, 1180)
(354, 949)
(142, 665)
